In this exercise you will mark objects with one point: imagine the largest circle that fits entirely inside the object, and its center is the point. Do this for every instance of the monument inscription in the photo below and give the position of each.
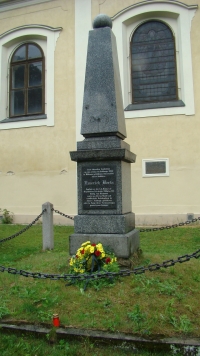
(99, 187)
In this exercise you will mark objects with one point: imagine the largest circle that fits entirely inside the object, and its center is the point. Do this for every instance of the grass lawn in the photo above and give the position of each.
(164, 302)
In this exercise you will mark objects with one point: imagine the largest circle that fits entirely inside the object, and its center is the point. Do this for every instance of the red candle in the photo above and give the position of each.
(56, 320)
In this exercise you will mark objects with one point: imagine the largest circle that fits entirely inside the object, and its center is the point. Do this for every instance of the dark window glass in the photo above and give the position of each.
(34, 100)
(33, 52)
(35, 74)
(20, 54)
(27, 74)
(17, 102)
(18, 75)
(153, 67)
(155, 167)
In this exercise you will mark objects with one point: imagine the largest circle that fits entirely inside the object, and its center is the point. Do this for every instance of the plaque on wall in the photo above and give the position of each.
(156, 167)
(99, 187)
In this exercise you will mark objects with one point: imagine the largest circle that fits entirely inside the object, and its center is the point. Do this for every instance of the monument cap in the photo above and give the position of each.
(102, 20)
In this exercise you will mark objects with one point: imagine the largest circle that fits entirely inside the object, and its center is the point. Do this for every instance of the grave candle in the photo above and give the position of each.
(56, 320)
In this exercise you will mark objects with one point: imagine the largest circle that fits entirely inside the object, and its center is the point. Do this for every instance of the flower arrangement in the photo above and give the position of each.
(91, 257)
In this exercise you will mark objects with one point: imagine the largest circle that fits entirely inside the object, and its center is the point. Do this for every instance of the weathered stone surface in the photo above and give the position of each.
(104, 224)
(106, 142)
(102, 20)
(134, 342)
(103, 111)
(103, 158)
(47, 226)
(95, 155)
(123, 245)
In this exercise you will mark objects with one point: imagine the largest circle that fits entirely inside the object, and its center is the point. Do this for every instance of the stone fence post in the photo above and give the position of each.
(47, 227)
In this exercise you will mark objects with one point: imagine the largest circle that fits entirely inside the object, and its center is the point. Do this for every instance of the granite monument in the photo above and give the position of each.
(103, 158)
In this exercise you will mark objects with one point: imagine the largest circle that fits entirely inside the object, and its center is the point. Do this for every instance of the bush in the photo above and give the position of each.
(7, 216)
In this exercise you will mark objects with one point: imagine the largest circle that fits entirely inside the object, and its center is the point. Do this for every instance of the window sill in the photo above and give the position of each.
(23, 118)
(163, 104)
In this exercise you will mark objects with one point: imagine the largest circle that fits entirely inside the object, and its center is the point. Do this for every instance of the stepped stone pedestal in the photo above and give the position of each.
(103, 158)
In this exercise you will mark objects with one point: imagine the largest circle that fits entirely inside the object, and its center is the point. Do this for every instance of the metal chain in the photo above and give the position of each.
(121, 273)
(72, 218)
(24, 229)
(170, 226)
(144, 230)
(59, 212)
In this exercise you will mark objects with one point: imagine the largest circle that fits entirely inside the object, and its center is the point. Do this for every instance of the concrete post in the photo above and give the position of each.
(47, 227)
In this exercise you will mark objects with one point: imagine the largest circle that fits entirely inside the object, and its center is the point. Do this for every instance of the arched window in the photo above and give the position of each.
(27, 81)
(153, 63)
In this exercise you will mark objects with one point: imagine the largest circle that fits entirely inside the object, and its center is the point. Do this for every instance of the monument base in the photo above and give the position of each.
(105, 224)
(123, 245)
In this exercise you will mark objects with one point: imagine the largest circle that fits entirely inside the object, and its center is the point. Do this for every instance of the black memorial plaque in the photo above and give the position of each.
(99, 187)
(155, 167)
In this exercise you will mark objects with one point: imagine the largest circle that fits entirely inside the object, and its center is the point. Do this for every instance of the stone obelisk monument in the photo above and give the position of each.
(103, 158)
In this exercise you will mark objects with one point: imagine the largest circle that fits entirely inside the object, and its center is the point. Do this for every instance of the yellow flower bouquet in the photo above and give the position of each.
(91, 257)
